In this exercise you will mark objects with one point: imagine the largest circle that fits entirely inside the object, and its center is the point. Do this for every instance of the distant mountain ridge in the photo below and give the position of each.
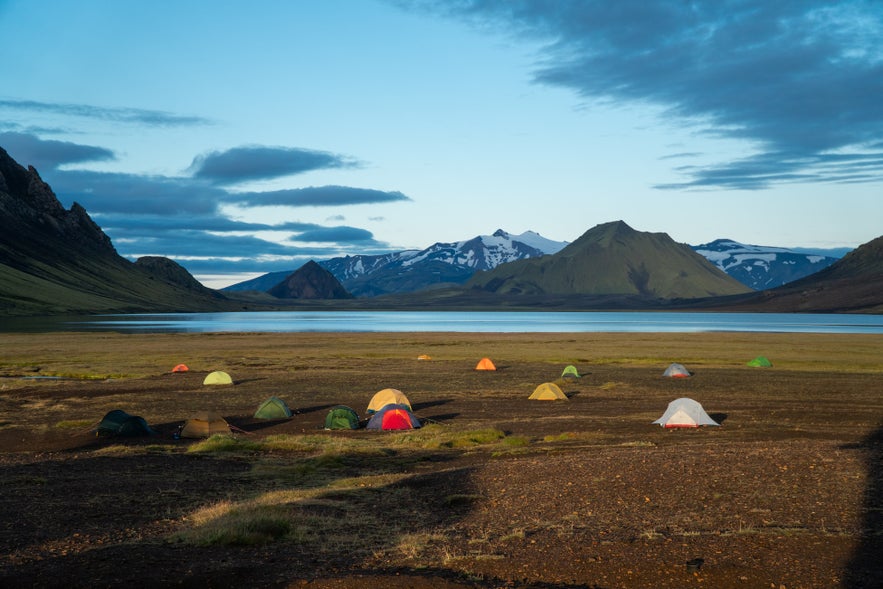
(762, 267)
(411, 270)
(613, 259)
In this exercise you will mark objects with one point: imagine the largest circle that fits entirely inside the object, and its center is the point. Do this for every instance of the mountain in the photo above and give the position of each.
(613, 259)
(762, 267)
(413, 270)
(55, 261)
(310, 281)
(853, 284)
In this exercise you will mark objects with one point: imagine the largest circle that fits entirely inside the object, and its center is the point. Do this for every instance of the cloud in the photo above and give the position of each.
(136, 116)
(337, 234)
(798, 81)
(258, 162)
(43, 154)
(318, 196)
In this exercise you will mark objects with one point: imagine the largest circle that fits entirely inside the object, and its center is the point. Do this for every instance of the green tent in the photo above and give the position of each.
(570, 371)
(120, 423)
(760, 362)
(273, 408)
(342, 417)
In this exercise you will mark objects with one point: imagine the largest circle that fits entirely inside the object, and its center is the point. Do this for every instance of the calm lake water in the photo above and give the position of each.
(459, 321)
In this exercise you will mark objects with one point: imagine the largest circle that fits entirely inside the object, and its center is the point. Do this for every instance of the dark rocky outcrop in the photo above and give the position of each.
(310, 281)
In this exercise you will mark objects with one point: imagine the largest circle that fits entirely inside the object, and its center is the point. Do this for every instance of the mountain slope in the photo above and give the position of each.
(613, 259)
(54, 260)
(762, 267)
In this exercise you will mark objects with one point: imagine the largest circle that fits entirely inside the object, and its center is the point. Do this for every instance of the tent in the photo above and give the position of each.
(676, 370)
(120, 423)
(393, 417)
(342, 417)
(218, 377)
(685, 412)
(180, 368)
(485, 364)
(204, 425)
(424, 357)
(387, 397)
(273, 408)
(548, 391)
(760, 362)
(570, 372)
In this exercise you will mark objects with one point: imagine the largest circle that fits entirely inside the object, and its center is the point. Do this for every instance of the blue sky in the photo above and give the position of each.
(245, 137)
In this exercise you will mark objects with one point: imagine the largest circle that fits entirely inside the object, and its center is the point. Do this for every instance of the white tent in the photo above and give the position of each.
(685, 412)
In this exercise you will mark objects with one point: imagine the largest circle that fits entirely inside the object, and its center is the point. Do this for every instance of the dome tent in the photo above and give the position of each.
(204, 425)
(485, 364)
(676, 370)
(387, 397)
(273, 408)
(570, 371)
(548, 391)
(684, 412)
(393, 417)
(760, 362)
(342, 417)
(217, 377)
(120, 423)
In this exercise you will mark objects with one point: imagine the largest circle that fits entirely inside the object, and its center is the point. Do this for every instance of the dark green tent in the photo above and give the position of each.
(342, 417)
(120, 423)
(273, 408)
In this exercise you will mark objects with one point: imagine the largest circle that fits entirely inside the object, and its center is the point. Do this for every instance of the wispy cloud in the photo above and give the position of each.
(799, 81)
(49, 154)
(136, 116)
(319, 196)
(258, 162)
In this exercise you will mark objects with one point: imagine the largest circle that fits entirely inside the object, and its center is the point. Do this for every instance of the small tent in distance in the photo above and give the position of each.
(393, 417)
(485, 364)
(570, 371)
(204, 425)
(342, 417)
(676, 370)
(760, 362)
(424, 357)
(548, 391)
(387, 397)
(180, 368)
(120, 423)
(273, 408)
(218, 377)
(684, 412)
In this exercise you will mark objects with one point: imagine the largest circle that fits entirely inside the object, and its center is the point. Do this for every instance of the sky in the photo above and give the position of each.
(243, 137)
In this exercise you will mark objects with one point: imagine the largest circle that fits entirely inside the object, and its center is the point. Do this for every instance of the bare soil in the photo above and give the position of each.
(787, 492)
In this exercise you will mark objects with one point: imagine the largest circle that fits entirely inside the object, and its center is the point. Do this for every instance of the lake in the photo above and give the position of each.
(458, 321)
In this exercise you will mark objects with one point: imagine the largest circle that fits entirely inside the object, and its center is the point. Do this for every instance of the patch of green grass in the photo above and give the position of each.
(74, 424)
(226, 443)
(229, 524)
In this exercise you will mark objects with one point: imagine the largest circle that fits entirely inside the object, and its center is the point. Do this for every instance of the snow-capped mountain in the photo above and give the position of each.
(762, 267)
(412, 270)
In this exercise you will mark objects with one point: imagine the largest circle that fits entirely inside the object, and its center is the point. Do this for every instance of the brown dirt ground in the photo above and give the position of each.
(786, 493)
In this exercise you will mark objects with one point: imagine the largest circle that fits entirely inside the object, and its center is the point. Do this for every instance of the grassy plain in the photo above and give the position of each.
(495, 491)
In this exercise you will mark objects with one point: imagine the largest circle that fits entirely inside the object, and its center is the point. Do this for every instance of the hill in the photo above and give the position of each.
(56, 261)
(310, 281)
(613, 259)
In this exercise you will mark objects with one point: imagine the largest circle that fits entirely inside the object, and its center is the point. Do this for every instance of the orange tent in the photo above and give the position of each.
(180, 368)
(424, 357)
(485, 364)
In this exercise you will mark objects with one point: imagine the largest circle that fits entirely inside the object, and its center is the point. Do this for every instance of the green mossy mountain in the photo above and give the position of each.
(613, 259)
(58, 261)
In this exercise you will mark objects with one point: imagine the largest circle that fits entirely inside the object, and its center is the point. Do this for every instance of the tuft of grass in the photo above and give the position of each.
(74, 424)
(225, 443)
(439, 437)
(229, 524)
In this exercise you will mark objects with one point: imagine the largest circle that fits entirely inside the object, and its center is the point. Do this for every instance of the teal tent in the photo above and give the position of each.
(273, 408)
(120, 423)
(342, 417)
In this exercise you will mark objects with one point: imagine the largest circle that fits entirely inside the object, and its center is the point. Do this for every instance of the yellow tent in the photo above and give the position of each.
(203, 425)
(485, 364)
(387, 397)
(424, 357)
(218, 377)
(548, 391)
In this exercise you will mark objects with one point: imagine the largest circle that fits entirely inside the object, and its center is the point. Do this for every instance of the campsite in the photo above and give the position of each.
(494, 490)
